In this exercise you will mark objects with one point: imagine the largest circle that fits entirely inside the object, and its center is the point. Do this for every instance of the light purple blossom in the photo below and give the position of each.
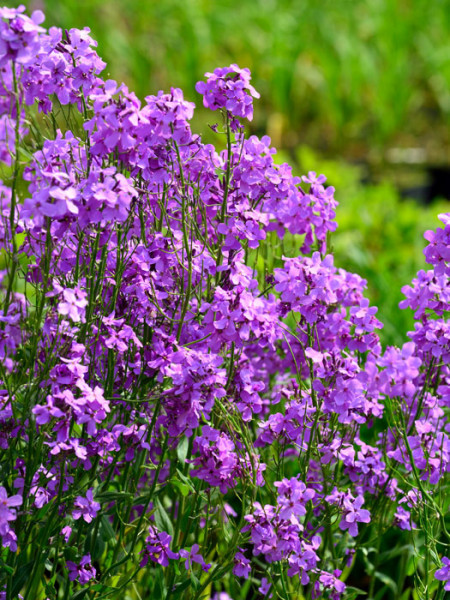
(229, 88)
(8, 505)
(352, 513)
(193, 556)
(443, 574)
(157, 345)
(86, 507)
(293, 495)
(242, 566)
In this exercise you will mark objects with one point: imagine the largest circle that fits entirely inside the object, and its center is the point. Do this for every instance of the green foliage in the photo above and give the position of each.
(344, 75)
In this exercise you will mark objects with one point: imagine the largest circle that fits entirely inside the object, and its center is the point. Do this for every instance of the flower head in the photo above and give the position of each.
(83, 572)
(229, 88)
(86, 507)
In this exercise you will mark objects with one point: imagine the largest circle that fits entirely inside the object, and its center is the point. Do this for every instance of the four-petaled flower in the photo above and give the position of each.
(86, 507)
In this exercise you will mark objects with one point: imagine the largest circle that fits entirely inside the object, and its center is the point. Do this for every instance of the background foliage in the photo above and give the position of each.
(360, 90)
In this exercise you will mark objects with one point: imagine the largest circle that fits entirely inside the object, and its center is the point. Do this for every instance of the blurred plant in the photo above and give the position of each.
(348, 80)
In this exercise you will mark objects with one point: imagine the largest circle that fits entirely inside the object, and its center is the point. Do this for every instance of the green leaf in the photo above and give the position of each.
(107, 532)
(50, 590)
(186, 480)
(388, 582)
(397, 551)
(101, 587)
(161, 583)
(21, 577)
(180, 587)
(184, 489)
(353, 592)
(411, 566)
(80, 594)
(6, 568)
(381, 593)
(182, 450)
(99, 547)
(162, 519)
(70, 553)
(195, 582)
(40, 514)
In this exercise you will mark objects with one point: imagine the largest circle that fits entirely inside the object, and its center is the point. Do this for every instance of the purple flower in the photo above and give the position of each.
(353, 514)
(192, 556)
(86, 507)
(74, 302)
(82, 572)
(19, 35)
(8, 514)
(7, 506)
(443, 574)
(157, 338)
(313, 178)
(265, 587)
(437, 253)
(219, 463)
(330, 582)
(402, 519)
(241, 565)
(66, 532)
(304, 560)
(292, 497)
(157, 548)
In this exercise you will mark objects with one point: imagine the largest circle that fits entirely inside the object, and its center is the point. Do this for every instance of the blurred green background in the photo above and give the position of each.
(356, 89)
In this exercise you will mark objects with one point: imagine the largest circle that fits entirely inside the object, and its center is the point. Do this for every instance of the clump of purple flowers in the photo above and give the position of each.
(229, 88)
(185, 402)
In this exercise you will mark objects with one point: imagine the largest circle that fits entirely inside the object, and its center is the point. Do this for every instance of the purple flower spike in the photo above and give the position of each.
(353, 514)
(193, 556)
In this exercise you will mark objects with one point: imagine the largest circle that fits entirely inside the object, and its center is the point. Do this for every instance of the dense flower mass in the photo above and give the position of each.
(194, 399)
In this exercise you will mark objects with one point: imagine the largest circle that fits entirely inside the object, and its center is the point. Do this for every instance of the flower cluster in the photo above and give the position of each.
(83, 572)
(191, 391)
(229, 88)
